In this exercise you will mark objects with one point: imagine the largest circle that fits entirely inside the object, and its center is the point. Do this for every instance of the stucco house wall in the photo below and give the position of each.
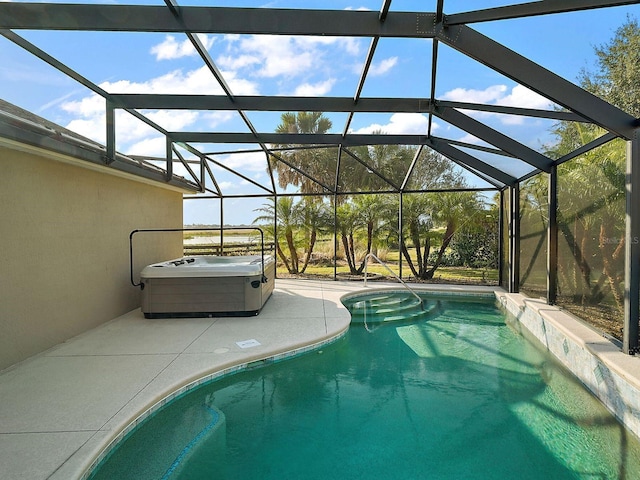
(64, 246)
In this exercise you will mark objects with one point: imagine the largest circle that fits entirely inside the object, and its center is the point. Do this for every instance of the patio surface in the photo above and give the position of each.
(61, 408)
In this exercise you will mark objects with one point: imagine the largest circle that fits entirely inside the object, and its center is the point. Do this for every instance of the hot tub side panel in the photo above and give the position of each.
(206, 296)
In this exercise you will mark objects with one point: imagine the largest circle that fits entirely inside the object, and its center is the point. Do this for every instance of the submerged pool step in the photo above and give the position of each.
(388, 308)
(387, 302)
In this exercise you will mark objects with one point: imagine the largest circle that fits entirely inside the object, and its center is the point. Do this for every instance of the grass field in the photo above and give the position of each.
(443, 274)
(322, 264)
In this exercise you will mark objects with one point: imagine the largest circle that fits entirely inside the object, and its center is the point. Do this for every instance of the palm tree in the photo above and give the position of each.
(284, 210)
(301, 222)
(451, 209)
(389, 161)
(347, 217)
(313, 217)
(422, 214)
(317, 163)
(417, 225)
(363, 211)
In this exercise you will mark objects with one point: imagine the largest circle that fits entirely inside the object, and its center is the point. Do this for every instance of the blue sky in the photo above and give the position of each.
(264, 65)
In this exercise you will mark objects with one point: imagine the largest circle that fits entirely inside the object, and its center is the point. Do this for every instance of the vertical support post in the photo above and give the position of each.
(514, 239)
(169, 156)
(552, 237)
(275, 232)
(632, 248)
(501, 238)
(111, 133)
(400, 241)
(336, 185)
(221, 225)
(335, 234)
(203, 170)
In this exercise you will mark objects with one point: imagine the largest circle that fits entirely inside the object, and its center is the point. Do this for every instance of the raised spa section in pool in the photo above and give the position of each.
(439, 391)
(207, 286)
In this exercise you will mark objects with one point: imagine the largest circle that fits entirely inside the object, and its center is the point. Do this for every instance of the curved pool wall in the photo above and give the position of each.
(611, 375)
(215, 375)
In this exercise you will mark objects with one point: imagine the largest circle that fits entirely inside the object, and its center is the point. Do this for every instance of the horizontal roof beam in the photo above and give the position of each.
(266, 21)
(295, 139)
(273, 103)
(319, 104)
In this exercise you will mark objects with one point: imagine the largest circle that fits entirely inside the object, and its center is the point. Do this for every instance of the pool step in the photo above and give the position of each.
(388, 308)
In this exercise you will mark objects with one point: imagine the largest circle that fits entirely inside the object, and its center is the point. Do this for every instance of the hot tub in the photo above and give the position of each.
(207, 286)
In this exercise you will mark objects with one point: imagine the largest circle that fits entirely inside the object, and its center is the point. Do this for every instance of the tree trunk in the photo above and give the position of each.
(292, 251)
(347, 253)
(312, 242)
(415, 239)
(352, 254)
(283, 257)
(369, 244)
(407, 257)
(427, 251)
(448, 235)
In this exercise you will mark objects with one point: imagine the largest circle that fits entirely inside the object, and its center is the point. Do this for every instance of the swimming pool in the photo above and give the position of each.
(451, 392)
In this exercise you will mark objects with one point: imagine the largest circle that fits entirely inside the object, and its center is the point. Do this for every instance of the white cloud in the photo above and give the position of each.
(400, 123)
(199, 81)
(86, 107)
(383, 67)
(236, 62)
(523, 97)
(246, 161)
(171, 49)
(518, 96)
(213, 119)
(317, 89)
(472, 139)
(272, 56)
(174, 120)
(488, 95)
(149, 147)
(278, 55)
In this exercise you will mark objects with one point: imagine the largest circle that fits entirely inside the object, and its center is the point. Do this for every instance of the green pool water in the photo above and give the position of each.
(446, 391)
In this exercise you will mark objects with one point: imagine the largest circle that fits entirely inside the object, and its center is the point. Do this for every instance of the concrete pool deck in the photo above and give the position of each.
(62, 408)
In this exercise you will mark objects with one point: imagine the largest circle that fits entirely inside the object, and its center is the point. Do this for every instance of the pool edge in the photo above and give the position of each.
(611, 375)
(174, 391)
